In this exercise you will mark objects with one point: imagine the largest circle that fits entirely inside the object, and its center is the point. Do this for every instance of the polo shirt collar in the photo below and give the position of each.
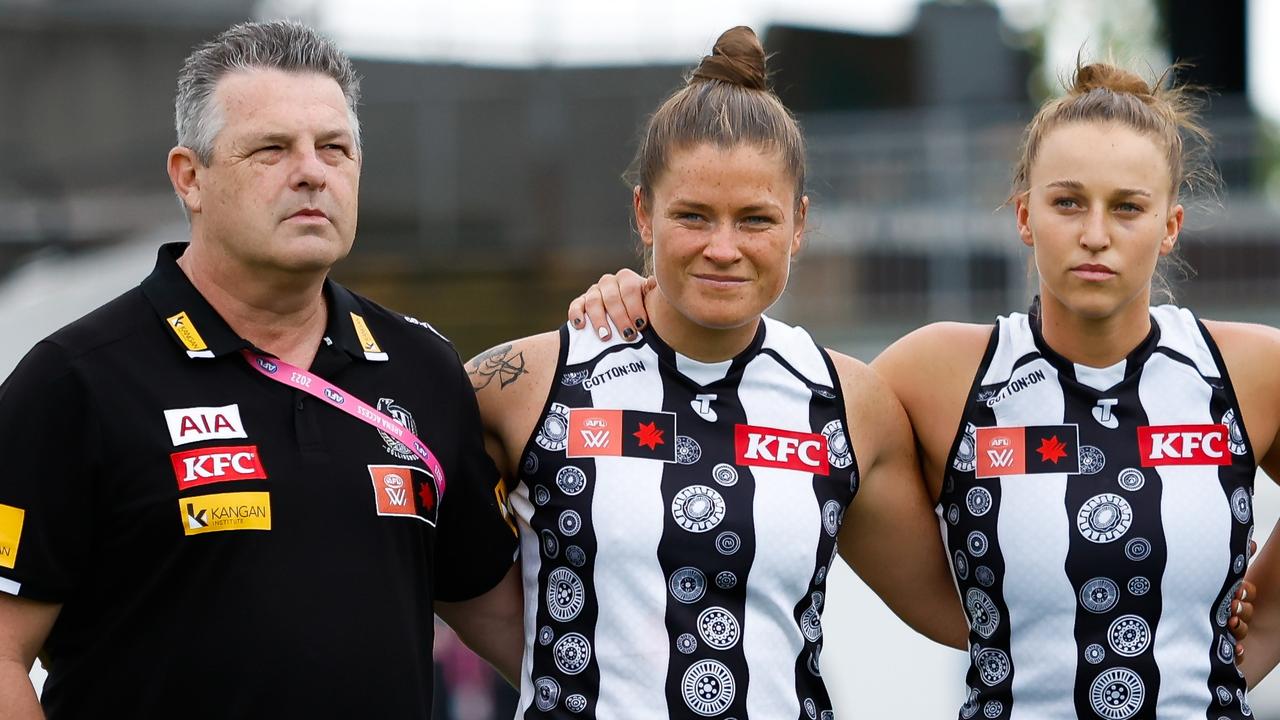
(199, 331)
(347, 328)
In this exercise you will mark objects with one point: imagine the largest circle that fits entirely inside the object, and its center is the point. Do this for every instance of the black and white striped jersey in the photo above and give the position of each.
(677, 521)
(1098, 522)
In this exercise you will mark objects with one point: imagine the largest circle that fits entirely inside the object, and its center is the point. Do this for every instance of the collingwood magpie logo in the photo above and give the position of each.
(570, 379)
(397, 449)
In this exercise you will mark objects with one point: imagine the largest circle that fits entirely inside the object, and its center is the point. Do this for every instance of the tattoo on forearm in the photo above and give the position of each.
(498, 362)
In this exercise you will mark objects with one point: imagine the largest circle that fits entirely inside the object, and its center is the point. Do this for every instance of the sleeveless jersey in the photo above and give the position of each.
(1098, 522)
(677, 521)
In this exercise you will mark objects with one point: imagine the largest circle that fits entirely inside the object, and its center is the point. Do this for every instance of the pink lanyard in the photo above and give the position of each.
(318, 387)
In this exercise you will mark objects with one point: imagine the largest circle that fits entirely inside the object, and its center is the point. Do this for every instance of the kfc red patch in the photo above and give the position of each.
(217, 464)
(777, 448)
(1183, 445)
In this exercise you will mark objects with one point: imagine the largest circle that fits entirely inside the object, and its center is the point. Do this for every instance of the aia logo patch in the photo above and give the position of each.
(622, 433)
(1029, 450)
(405, 491)
(1183, 445)
(217, 464)
(193, 424)
(777, 448)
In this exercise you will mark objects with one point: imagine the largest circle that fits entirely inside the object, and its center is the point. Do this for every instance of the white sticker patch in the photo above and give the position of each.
(188, 425)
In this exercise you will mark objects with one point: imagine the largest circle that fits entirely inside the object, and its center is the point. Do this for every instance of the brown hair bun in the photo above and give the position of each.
(1101, 76)
(737, 58)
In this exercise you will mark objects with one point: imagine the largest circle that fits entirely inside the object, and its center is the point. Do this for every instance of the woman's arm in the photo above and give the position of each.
(890, 535)
(1252, 356)
(511, 381)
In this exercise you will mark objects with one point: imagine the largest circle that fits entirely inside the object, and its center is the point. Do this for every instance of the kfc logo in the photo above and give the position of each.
(772, 447)
(188, 425)
(217, 464)
(1183, 445)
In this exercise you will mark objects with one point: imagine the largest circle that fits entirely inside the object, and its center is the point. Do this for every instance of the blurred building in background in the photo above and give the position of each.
(491, 195)
(499, 189)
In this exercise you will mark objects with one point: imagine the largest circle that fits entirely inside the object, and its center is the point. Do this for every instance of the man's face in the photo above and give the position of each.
(280, 191)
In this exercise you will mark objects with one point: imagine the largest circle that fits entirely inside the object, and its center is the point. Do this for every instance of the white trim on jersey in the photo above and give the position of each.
(1180, 332)
(1101, 379)
(795, 344)
(700, 372)
(1015, 341)
(530, 566)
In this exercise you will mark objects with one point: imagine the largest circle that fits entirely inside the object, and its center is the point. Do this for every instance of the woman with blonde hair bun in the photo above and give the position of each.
(1092, 460)
(680, 493)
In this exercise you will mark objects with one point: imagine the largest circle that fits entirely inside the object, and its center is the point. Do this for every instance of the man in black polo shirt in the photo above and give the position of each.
(187, 530)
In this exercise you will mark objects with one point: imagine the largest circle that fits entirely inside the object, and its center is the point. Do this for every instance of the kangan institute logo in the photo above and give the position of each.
(397, 449)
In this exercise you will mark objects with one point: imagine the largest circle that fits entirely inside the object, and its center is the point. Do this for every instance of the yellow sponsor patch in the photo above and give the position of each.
(10, 534)
(225, 511)
(366, 338)
(186, 332)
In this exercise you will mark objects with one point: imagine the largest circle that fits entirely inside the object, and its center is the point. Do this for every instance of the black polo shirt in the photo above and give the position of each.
(225, 546)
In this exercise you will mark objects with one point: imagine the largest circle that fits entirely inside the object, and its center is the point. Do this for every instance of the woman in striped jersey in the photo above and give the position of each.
(1093, 459)
(679, 492)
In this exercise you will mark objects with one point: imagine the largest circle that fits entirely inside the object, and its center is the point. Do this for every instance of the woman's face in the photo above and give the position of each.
(723, 225)
(1099, 213)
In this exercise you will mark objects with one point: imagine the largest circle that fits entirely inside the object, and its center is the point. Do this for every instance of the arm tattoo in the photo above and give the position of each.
(497, 362)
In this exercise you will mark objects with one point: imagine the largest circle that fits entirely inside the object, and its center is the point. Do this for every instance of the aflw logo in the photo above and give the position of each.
(774, 447)
(1027, 450)
(1183, 445)
(394, 485)
(1002, 457)
(595, 433)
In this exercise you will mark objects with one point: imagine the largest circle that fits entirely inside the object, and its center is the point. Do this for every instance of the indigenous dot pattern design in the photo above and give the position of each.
(707, 547)
(1116, 553)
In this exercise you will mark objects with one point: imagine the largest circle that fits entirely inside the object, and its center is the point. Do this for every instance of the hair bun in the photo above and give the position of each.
(737, 58)
(1102, 76)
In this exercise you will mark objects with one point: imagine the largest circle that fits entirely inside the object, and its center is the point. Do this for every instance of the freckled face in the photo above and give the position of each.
(723, 225)
(1099, 213)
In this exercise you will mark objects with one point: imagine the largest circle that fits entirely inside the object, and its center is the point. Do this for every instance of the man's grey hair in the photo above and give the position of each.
(281, 45)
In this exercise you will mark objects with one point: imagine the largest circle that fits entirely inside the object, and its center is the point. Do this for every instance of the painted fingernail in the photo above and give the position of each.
(1239, 607)
(603, 332)
(639, 322)
(577, 322)
(627, 333)
(1244, 594)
